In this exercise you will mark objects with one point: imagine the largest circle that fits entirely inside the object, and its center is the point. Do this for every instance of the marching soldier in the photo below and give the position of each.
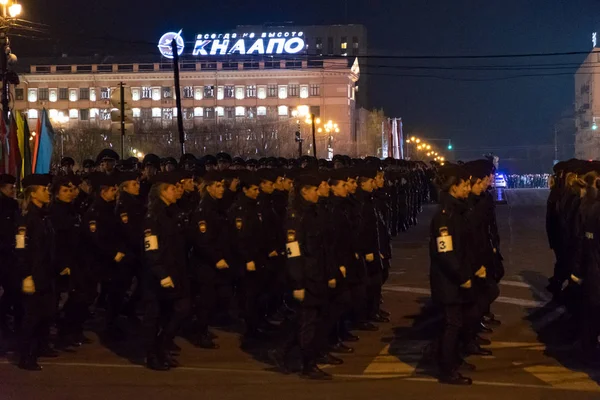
(34, 244)
(165, 281)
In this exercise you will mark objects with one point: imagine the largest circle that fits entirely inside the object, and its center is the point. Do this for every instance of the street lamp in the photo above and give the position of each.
(61, 119)
(10, 10)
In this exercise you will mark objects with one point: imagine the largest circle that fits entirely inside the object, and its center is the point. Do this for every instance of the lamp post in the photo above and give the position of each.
(10, 10)
(61, 119)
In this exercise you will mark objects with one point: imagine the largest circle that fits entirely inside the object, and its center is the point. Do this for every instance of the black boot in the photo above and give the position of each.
(455, 379)
(346, 336)
(311, 371)
(29, 363)
(156, 364)
(341, 348)
(366, 326)
(329, 359)
(277, 357)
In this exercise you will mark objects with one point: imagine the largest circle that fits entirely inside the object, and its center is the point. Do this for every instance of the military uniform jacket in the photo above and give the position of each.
(280, 203)
(67, 228)
(9, 211)
(249, 232)
(448, 252)
(587, 265)
(553, 219)
(211, 235)
(381, 201)
(103, 239)
(34, 244)
(131, 213)
(480, 244)
(305, 255)
(272, 224)
(165, 252)
(368, 235)
(342, 245)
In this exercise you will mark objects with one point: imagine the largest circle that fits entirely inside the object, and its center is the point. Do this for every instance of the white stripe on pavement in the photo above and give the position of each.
(501, 299)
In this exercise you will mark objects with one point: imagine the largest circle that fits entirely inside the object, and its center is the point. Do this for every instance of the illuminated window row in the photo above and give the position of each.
(166, 92)
(103, 114)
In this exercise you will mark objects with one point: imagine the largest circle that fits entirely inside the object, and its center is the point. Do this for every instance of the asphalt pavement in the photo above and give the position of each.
(535, 355)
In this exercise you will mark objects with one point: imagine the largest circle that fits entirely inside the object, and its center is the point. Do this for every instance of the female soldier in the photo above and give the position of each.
(34, 244)
(308, 278)
(450, 272)
(210, 234)
(166, 287)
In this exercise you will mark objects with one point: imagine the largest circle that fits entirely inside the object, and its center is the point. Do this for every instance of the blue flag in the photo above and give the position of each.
(44, 155)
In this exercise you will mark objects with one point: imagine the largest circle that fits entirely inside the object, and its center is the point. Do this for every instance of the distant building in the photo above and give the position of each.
(587, 108)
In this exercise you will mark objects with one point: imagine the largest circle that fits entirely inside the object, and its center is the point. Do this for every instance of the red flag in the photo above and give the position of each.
(36, 145)
(14, 154)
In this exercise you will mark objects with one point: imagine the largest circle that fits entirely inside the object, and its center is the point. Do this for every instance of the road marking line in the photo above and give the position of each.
(398, 358)
(515, 284)
(501, 299)
(561, 377)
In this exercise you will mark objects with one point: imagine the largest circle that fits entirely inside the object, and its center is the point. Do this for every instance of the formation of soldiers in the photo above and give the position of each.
(466, 265)
(573, 228)
(298, 248)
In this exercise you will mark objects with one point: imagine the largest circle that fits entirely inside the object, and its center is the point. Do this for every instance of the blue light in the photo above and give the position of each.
(165, 43)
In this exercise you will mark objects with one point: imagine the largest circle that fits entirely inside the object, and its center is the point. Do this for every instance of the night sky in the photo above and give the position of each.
(486, 111)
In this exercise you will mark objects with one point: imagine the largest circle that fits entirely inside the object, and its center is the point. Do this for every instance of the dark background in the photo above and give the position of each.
(477, 109)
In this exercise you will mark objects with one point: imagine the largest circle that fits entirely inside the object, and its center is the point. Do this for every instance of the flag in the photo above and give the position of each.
(24, 145)
(4, 168)
(14, 154)
(44, 153)
(36, 144)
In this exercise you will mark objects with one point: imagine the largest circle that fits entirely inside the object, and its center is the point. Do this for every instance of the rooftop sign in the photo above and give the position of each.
(221, 44)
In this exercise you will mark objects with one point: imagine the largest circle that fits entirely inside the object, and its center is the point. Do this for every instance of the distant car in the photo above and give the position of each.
(500, 181)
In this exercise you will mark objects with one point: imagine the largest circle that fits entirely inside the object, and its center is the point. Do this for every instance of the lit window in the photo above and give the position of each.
(105, 93)
(240, 111)
(315, 90)
(72, 94)
(84, 94)
(229, 92)
(283, 91)
(188, 92)
(52, 95)
(239, 92)
(293, 90)
(74, 113)
(198, 111)
(135, 94)
(92, 94)
(272, 91)
(188, 113)
(53, 114)
(32, 95)
(156, 94)
(262, 92)
(261, 110)
(174, 112)
(146, 93)
(282, 111)
(209, 91)
(251, 91)
(303, 91)
(156, 112)
(94, 113)
(137, 112)
(63, 93)
(209, 112)
(220, 93)
(198, 93)
(33, 114)
(105, 114)
(220, 111)
(167, 92)
(167, 113)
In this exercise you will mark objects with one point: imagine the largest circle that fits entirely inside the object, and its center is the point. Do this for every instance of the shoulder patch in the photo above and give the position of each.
(124, 218)
(202, 226)
(443, 231)
(92, 226)
(147, 232)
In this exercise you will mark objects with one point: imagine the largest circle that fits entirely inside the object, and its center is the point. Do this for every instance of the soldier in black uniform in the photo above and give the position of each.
(34, 244)
(249, 250)
(66, 223)
(88, 166)
(107, 161)
(210, 233)
(450, 271)
(131, 212)
(105, 249)
(165, 281)
(381, 199)
(66, 166)
(150, 167)
(10, 303)
(190, 197)
(305, 263)
(368, 240)
(84, 198)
